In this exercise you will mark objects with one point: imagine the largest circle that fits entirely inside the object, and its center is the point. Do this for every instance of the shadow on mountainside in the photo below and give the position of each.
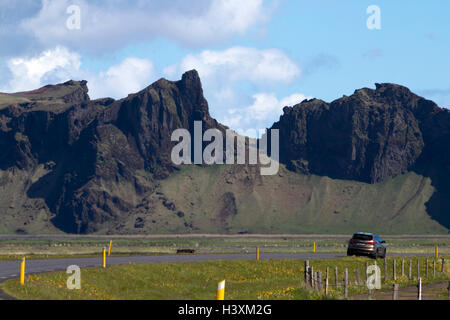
(434, 163)
(438, 206)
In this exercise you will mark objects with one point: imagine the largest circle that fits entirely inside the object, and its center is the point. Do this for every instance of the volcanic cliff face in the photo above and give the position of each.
(84, 166)
(99, 157)
(369, 136)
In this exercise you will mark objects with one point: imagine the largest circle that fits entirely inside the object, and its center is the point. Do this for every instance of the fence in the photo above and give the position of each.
(324, 282)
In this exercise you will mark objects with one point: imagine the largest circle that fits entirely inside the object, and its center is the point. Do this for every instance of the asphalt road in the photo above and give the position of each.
(10, 269)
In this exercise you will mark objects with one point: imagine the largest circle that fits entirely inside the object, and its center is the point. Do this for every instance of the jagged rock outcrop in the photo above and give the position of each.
(369, 136)
(97, 149)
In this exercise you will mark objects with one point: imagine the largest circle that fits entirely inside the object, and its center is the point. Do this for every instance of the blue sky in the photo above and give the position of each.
(254, 56)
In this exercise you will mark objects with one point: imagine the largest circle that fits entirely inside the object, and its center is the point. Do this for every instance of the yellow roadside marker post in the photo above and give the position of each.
(104, 258)
(257, 254)
(221, 291)
(437, 252)
(314, 247)
(110, 246)
(22, 272)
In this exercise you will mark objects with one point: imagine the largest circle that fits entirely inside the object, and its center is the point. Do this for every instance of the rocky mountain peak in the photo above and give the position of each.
(91, 163)
(369, 136)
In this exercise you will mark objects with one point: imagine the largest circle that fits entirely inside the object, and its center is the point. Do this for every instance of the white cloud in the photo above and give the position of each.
(222, 19)
(240, 63)
(264, 110)
(266, 105)
(29, 73)
(130, 76)
(59, 65)
(118, 23)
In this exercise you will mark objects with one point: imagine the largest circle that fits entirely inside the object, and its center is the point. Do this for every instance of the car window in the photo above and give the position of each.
(358, 236)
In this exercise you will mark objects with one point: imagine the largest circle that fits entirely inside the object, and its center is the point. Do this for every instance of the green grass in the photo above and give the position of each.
(8, 99)
(286, 203)
(354, 263)
(50, 98)
(265, 279)
(294, 203)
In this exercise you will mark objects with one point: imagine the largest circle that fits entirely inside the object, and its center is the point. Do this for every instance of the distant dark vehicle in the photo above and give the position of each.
(185, 251)
(366, 244)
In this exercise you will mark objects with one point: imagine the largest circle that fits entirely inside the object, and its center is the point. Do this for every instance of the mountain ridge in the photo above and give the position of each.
(87, 166)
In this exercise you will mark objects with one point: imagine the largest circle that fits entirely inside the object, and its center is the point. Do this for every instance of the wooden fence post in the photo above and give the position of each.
(426, 268)
(418, 269)
(394, 274)
(357, 277)
(336, 280)
(395, 293)
(385, 269)
(419, 289)
(403, 267)
(316, 280)
(443, 265)
(311, 270)
(308, 276)
(326, 283)
(434, 268)
(306, 270)
(410, 270)
(346, 283)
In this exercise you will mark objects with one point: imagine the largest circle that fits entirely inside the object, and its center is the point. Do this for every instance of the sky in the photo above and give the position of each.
(254, 57)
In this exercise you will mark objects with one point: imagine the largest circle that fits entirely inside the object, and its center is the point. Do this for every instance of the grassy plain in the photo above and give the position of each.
(255, 280)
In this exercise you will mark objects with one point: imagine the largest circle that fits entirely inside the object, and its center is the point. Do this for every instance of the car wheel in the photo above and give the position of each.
(375, 255)
(384, 255)
(349, 253)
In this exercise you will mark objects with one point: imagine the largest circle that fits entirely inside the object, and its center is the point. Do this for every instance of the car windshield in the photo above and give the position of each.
(358, 236)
